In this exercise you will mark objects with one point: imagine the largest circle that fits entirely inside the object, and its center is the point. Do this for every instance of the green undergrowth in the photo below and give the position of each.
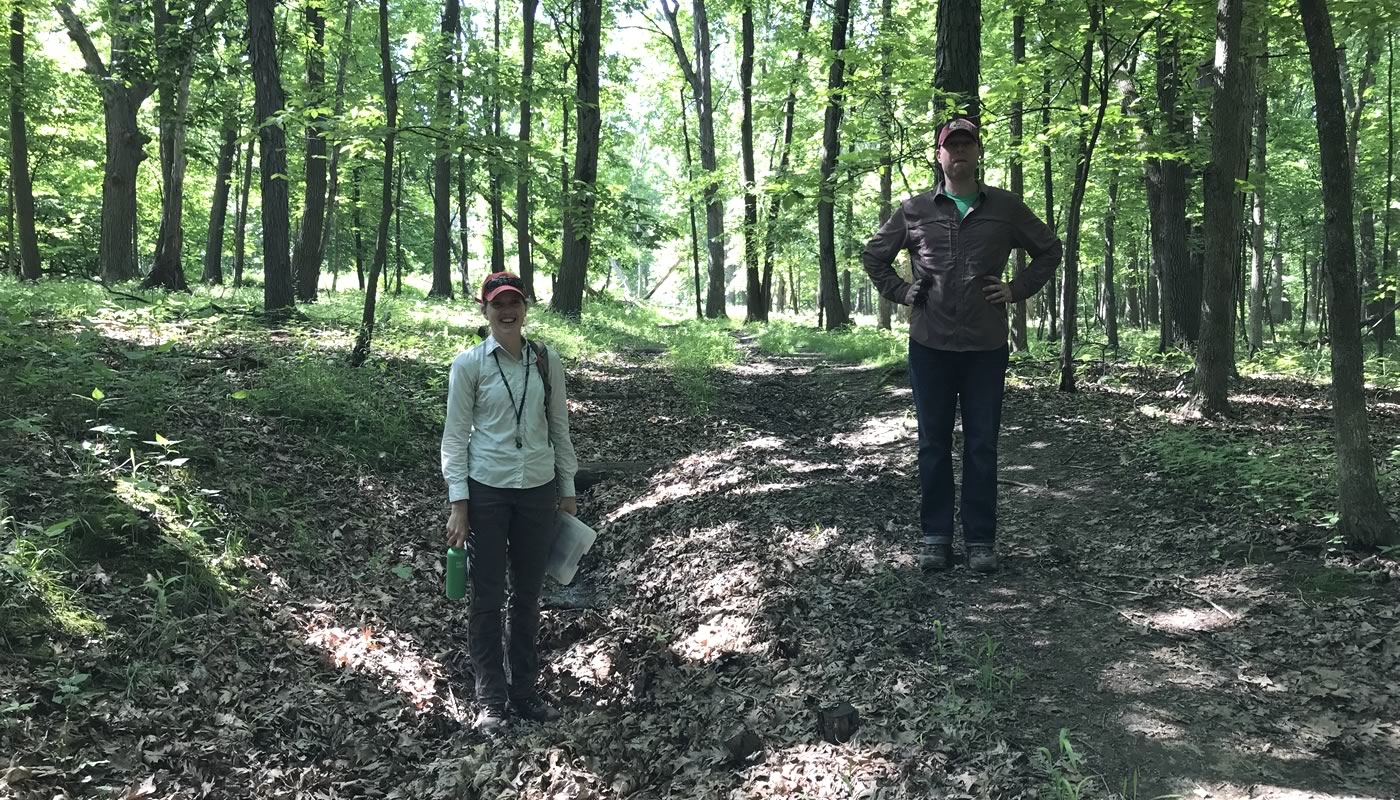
(856, 345)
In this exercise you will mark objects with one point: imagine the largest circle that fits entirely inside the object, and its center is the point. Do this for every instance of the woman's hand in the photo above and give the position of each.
(457, 524)
(569, 505)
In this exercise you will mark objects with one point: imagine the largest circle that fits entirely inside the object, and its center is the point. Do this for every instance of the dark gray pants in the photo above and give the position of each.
(509, 528)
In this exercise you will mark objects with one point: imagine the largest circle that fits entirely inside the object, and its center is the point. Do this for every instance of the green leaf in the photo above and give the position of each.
(241, 394)
(98, 395)
(59, 527)
(403, 571)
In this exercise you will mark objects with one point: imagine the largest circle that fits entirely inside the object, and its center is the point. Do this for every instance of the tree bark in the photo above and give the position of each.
(22, 205)
(332, 191)
(699, 78)
(522, 175)
(775, 203)
(268, 102)
(123, 88)
(578, 223)
(836, 312)
(307, 255)
(1215, 358)
(957, 58)
(1363, 518)
(886, 308)
(757, 306)
(357, 223)
(240, 224)
(213, 273)
(1047, 158)
(1179, 283)
(1110, 291)
(1277, 312)
(442, 160)
(386, 193)
(690, 201)
(398, 226)
(1260, 177)
(1019, 343)
(496, 196)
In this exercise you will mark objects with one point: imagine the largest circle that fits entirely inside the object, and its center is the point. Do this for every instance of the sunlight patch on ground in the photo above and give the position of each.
(876, 431)
(1148, 722)
(723, 634)
(1186, 620)
(809, 540)
(847, 772)
(383, 654)
(768, 488)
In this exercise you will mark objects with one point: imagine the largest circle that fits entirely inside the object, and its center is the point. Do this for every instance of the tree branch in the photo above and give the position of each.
(80, 37)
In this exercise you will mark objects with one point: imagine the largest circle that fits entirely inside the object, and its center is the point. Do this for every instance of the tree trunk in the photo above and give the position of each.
(1370, 278)
(1257, 303)
(757, 306)
(522, 175)
(578, 223)
(240, 224)
(332, 192)
(1110, 294)
(1088, 140)
(386, 193)
(463, 220)
(22, 205)
(270, 101)
(307, 257)
(1019, 343)
(957, 60)
(1277, 312)
(496, 198)
(357, 223)
(1386, 331)
(1363, 518)
(1047, 158)
(886, 308)
(398, 227)
(836, 313)
(690, 201)
(442, 159)
(218, 210)
(775, 203)
(1215, 358)
(1180, 284)
(699, 78)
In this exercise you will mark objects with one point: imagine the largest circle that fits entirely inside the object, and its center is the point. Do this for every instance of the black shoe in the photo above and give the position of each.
(934, 557)
(534, 709)
(981, 558)
(491, 721)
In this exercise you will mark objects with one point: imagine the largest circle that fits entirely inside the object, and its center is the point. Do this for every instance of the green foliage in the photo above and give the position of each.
(1064, 768)
(855, 345)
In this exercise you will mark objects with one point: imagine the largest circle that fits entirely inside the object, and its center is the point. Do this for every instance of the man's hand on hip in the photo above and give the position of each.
(996, 292)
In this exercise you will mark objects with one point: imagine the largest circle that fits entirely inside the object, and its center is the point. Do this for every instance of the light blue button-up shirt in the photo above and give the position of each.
(478, 440)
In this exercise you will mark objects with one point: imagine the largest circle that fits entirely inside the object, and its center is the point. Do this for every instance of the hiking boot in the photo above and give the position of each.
(535, 709)
(491, 721)
(934, 557)
(981, 558)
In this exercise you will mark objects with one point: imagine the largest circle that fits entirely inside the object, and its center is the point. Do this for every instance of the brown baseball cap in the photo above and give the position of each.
(960, 124)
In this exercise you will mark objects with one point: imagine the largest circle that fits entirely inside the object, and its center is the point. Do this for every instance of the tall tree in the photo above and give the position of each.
(1018, 177)
(1363, 518)
(124, 84)
(957, 59)
(690, 203)
(578, 222)
(333, 189)
(386, 193)
(698, 76)
(269, 102)
(307, 255)
(442, 160)
(887, 134)
(779, 195)
(496, 197)
(522, 163)
(1259, 177)
(213, 272)
(180, 33)
(20, 178)
(1180, 284)
(240, 223)
(757, 306)
(836, 313)
(1215, 358)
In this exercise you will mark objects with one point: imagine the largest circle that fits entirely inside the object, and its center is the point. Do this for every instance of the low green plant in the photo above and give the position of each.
(1064, 768)
(855, 345)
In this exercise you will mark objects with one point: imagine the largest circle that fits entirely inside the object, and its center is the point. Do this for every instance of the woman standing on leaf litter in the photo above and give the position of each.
(509, 465)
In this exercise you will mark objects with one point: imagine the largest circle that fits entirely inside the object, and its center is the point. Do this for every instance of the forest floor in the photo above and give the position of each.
(1142, 639)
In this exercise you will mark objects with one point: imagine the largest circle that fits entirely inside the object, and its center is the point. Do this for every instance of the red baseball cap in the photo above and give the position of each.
(960, 124)
(498, 282)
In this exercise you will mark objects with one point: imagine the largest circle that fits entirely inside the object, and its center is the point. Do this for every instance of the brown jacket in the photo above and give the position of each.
(951, 258)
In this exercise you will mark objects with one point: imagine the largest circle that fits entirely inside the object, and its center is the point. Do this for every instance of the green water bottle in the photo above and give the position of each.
(456, 573)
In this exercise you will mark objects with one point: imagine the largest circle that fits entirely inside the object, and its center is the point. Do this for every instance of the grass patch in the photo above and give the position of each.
(696, 347)
(1290, 479)
(857, 345)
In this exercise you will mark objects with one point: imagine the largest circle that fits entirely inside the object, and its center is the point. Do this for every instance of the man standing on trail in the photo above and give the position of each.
(959, 236)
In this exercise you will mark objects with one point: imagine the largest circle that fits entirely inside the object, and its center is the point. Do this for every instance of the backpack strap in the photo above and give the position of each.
(542, 364)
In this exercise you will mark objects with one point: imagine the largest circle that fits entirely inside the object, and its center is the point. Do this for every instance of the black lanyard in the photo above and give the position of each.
(520, 409)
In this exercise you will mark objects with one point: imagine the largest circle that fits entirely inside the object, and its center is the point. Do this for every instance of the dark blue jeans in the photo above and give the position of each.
(942, 381)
